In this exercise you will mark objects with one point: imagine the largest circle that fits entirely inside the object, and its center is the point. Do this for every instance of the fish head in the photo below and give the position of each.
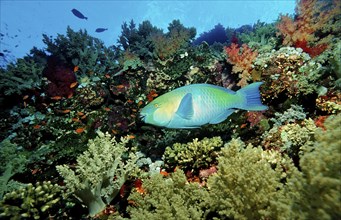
(159, 112)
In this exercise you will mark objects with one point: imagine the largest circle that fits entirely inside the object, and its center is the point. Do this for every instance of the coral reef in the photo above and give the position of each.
(61, 103)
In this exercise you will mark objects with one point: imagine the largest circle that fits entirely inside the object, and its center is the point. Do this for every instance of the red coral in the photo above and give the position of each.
(312, 51)
(60, 79)
(313, 17)
(242, 59)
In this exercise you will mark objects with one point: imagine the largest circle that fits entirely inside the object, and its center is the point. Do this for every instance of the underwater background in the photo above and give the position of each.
(75, 76)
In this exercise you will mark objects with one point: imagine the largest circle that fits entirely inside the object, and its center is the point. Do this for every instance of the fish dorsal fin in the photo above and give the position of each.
(185, 109)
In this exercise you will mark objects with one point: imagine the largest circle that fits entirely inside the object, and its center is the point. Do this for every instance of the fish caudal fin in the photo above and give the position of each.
(253, 98)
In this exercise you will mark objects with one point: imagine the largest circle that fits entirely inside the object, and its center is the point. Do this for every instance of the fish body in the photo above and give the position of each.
(78, 14)
(99, 30)
(195, 105)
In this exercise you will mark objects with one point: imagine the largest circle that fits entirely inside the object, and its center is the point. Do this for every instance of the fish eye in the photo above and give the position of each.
(156, 105)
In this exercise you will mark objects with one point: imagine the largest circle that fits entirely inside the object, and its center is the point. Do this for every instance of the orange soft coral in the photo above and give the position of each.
(312, 27)
(242, 59)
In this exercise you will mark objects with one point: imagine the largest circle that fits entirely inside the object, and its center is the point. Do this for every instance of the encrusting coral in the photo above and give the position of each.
(100, 172)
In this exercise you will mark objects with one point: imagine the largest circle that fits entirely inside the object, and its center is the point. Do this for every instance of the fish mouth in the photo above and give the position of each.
(142, 116)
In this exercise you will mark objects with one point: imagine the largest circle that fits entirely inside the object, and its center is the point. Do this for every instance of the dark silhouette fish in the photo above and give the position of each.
(78, 14)
(99, 30)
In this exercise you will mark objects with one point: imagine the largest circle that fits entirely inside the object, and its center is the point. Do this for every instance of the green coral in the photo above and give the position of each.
(253, 184)
(195, 154)
(25, 74)
(168, 198)
(82, 50)
(321, 167)
(295, 112)
(295, 136)
(13, 162)
(31, 202)
(100, 173)
(290, 138)
(262, 36)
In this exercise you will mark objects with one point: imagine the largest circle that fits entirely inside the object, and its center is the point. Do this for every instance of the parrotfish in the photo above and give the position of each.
(78, 14)
(192, 106)
(99, 30)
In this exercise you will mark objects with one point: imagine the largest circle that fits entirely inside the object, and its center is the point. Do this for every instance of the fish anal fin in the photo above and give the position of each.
(221, 117)
(185, 109)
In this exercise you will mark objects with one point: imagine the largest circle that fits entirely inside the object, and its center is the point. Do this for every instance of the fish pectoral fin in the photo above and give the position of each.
(185, 109)
(221, 117)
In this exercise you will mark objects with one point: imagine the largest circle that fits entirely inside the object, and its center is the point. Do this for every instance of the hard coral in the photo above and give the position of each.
(242, 59)
(31, 202)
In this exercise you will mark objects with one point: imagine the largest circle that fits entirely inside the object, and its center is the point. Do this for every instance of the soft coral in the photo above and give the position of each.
(312, 27)
(60, 78)
(242, 59)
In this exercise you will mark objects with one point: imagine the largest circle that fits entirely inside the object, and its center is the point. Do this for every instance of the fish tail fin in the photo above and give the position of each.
(253, 98)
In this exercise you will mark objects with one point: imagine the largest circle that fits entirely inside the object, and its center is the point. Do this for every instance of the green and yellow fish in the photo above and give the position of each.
(195, 105)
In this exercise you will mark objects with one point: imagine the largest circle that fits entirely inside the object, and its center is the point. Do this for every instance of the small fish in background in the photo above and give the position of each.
(78, 14)
(195, 105)
(99, 30)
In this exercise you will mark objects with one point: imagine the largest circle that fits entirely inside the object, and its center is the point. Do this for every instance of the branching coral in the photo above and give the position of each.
(314, 18)
(31, 202)
(100, 173)
(242, 59)
(196, 154)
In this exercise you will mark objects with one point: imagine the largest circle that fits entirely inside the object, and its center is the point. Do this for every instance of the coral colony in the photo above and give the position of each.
(75, 146)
